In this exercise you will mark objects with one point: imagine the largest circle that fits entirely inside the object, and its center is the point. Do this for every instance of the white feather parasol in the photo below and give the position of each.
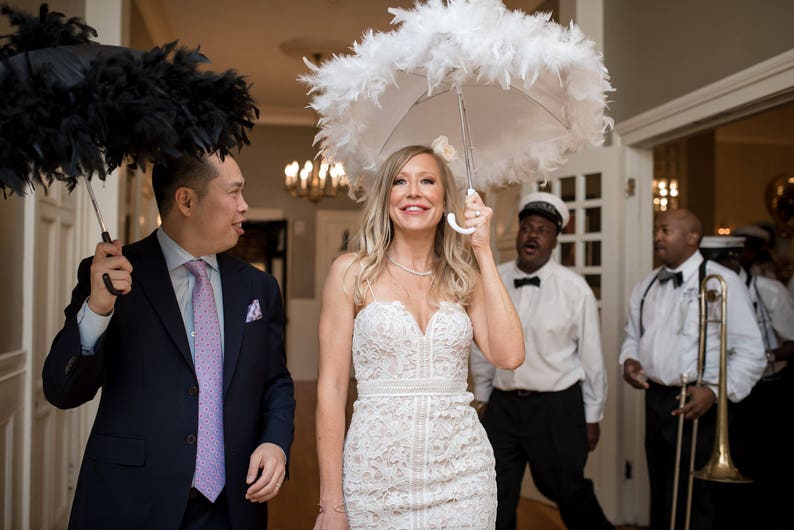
(534, 91)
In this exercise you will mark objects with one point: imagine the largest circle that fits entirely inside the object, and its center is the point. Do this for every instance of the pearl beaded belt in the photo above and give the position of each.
(411, 387)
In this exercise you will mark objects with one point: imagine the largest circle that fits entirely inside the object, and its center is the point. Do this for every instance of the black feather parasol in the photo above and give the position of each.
(72, 107)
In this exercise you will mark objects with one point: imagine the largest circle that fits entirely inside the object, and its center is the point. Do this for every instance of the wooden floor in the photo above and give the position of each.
(296, 506)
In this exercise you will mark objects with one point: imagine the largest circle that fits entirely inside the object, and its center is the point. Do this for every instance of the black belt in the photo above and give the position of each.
(659, 386)
(522, 393)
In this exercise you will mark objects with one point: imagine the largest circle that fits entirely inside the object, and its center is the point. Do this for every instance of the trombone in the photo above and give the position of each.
(720, 467)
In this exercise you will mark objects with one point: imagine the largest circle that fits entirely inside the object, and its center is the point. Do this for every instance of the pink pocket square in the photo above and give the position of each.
(254, 311)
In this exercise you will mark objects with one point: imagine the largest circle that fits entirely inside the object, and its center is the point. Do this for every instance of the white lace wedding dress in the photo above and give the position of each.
(415, 455)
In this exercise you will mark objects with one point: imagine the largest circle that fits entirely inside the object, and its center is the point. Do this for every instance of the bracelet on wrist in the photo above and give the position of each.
(339, 508)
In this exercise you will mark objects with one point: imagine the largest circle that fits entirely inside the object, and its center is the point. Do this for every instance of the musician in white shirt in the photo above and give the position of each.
(661, 344)
(761, 427)
(546, 412)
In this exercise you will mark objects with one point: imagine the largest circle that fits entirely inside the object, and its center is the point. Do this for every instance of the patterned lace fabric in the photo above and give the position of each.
(415, 455)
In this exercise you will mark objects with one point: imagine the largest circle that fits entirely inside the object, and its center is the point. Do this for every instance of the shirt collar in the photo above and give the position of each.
(176, 256)
(690, 266)
(541, 273)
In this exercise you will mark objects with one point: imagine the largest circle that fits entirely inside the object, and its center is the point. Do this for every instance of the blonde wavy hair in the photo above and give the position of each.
(455, 269)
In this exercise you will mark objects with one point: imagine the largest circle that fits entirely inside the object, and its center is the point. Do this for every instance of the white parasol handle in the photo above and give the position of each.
(454, 224)
(464, 131)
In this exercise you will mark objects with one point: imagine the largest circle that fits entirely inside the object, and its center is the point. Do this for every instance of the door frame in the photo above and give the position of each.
(762, 86)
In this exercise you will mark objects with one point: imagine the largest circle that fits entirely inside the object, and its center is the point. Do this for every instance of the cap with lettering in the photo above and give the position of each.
(546, 204)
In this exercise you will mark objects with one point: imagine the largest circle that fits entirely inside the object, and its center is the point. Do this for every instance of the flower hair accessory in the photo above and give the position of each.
(442, 148)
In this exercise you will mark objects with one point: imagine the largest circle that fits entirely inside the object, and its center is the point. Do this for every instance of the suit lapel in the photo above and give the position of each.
(235, 306)
(150, 274)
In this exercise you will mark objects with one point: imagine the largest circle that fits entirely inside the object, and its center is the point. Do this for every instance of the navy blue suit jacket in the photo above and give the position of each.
(140, 457)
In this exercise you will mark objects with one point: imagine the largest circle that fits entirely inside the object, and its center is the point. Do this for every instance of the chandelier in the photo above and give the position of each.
(315, 181)
(665, 194)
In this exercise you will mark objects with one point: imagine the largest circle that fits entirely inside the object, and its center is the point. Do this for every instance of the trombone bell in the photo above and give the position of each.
(720, 468)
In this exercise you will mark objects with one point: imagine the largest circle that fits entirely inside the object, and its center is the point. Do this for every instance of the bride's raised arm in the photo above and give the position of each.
(497, 328)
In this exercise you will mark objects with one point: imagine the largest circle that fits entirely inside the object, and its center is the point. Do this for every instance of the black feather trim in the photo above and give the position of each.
(48, 30)
(86, 110)
(157, 105)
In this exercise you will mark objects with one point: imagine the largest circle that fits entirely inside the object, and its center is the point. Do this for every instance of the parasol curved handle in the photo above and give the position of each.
(453, 222)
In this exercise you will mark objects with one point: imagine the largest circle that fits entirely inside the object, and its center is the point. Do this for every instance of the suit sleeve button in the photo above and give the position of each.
(191, 439)
(193, 391)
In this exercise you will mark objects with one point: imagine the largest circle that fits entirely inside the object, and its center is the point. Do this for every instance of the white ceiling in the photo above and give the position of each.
(247, 35)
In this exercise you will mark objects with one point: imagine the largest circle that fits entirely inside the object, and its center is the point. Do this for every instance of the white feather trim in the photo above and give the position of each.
(464, 43)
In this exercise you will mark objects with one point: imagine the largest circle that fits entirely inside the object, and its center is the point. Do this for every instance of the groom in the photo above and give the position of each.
(195, 419)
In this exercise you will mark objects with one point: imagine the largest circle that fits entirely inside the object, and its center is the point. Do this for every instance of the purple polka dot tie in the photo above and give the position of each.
(210, 469)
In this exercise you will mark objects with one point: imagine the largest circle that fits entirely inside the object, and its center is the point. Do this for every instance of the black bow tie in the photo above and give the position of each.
(520, 282)
(665, 276)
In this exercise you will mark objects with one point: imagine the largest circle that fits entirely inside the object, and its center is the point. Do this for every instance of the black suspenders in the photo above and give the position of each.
(704, 328)
(701, 275)
(642, 304)
(764, 313)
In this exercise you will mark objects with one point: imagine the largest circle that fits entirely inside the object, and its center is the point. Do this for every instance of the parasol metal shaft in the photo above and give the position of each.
(464, 130)
(105, 234)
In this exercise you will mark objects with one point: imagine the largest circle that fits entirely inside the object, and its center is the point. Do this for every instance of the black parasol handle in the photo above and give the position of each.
(106, 277)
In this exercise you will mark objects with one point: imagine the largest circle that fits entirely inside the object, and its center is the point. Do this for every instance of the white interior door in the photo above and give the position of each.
(51, 477)
(591, 185)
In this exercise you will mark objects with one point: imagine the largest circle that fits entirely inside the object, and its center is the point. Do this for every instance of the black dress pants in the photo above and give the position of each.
(661, 431)
(547, 431)
(201, 514)
(761, 440)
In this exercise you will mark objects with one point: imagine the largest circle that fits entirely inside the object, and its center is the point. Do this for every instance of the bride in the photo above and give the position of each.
(404, 309)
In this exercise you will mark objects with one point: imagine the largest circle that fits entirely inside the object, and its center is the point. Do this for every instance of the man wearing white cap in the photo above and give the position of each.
(756, 255)
(546, 412)
(761, 429)
(661, 345)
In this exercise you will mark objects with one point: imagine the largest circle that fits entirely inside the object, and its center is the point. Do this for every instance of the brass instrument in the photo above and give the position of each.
(720, 467)
(779, 198)
(678, 445)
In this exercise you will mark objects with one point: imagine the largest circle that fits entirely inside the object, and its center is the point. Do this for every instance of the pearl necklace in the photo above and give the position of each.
(406, 269)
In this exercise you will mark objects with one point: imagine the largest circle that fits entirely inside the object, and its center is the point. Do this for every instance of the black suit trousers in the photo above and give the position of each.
(547, 431)
(661, 431)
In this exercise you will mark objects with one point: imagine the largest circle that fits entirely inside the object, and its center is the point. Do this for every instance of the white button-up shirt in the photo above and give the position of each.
(671, 320)
(774, 312)
(562, 339)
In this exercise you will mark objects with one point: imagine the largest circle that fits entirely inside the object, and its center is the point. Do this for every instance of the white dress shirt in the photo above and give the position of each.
(774, 312)
(92, 326)
(562, 339)
(791, 286)
(671, 320)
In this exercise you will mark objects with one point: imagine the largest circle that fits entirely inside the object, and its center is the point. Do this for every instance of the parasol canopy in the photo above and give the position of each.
(534, 91)
(72, 107)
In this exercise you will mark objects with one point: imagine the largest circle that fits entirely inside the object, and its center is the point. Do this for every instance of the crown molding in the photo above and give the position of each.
(762, 86)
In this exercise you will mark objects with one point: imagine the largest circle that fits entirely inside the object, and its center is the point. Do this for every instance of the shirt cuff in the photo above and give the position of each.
(91, 326)
(593, 414)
